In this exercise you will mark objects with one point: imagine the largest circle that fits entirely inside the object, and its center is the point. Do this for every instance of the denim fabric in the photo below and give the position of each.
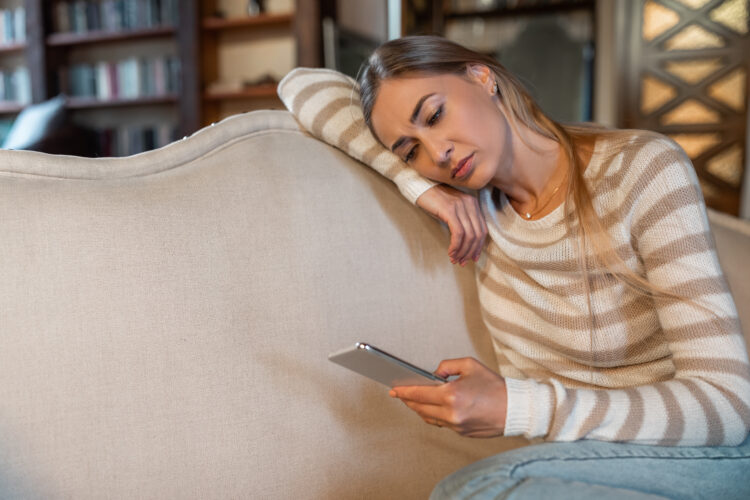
(603, 470)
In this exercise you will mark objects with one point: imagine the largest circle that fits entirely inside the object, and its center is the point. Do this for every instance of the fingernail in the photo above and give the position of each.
(392, 394)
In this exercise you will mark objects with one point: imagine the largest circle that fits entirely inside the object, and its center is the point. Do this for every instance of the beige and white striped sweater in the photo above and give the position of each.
(650, 372)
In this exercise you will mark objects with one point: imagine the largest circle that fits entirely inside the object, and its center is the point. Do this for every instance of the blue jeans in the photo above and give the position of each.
(585, 470)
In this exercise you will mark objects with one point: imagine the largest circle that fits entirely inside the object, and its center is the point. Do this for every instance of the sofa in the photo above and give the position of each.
(167, 317)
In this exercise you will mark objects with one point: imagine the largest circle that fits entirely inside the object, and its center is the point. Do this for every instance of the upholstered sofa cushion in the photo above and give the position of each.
(166, 321)
(732, 237)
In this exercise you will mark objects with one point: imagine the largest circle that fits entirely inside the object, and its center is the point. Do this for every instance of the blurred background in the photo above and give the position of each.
(118, 77)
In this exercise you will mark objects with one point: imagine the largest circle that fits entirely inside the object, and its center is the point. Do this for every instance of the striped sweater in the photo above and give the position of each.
(651, 371)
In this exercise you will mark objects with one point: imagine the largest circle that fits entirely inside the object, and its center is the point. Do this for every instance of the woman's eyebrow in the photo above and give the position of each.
(418, 107)
(398, 143)
(412, 119)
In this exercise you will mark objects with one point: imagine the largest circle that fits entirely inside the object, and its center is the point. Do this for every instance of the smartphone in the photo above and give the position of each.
(382, 367)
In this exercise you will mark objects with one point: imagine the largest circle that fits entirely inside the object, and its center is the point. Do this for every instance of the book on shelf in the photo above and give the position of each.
(130, 140)
(82, 16)
(15, 85)
(12, 26)
(103, 85)
(129, 78)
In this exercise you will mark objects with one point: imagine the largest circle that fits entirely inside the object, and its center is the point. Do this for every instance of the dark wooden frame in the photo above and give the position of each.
(640, 58)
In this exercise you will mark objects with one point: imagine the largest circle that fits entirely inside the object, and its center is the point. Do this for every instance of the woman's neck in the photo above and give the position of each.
(535, 163)
(535, 180)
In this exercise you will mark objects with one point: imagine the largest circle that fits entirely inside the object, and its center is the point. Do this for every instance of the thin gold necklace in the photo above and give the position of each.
(529, 215)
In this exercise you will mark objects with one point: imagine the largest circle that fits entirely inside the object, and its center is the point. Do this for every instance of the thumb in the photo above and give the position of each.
(458, 366)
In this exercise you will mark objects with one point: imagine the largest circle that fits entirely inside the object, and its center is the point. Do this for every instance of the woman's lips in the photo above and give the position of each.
(463, 168)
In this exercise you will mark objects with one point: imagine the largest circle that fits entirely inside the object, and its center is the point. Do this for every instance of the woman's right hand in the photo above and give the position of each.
(461, 212)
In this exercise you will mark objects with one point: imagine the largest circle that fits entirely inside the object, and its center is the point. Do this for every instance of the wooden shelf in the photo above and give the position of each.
(67, 39)
(523, 10)
(218, 23)
(195, 38)
(255, 91)
(92, 102)
(10, 107)
(12, 47)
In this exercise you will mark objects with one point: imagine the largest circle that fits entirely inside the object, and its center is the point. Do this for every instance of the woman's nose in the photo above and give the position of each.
(440, 151)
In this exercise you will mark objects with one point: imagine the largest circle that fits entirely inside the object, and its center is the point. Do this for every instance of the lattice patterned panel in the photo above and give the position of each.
(690, 81)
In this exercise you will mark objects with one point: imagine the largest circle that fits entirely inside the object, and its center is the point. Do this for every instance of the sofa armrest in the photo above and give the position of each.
(732, 236)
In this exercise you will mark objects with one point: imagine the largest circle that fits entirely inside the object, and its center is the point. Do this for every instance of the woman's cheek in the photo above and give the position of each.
(431, 171)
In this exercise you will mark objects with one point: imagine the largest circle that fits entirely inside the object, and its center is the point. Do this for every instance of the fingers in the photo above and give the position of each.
(468, 242)
(427, 395)
(468, 230)
(457, 235)
(463, 235)
(458, 366)
(480, 229)
(474, 404)
(426, 401)
(432, 414)
(462, 213)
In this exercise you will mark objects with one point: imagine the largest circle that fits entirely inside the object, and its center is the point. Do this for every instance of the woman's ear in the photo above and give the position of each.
(482, 75)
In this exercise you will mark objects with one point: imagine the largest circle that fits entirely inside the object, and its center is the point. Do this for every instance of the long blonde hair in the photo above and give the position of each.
(432, 55)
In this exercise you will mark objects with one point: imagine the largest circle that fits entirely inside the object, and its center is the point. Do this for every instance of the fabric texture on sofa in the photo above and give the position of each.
(167, 319)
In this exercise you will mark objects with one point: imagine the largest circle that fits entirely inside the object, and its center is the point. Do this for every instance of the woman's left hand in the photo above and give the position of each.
(473, 405)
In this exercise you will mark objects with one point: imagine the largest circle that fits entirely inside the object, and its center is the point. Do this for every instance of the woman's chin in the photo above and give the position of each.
(477, 181)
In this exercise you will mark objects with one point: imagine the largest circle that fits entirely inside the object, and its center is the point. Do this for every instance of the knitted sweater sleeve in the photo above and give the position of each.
(707, 402)
(326, 104)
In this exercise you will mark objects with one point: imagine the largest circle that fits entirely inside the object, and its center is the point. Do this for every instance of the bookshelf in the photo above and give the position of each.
(117, 62)
(244, 56)
(100, 36)
(15, 80)
(91, 102)
(267, 90)
(217, 23)
(9, 107)
(8, 48)
(84, 36)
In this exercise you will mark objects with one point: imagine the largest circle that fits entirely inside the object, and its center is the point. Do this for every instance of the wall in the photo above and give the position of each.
(367, 17)
(250, 54)
(607, 67)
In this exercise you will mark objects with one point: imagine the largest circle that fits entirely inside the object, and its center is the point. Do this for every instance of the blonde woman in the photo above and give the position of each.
(616, 335)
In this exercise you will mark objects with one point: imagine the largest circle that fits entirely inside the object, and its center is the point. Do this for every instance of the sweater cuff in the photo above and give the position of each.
(529, 410)
(412, 185)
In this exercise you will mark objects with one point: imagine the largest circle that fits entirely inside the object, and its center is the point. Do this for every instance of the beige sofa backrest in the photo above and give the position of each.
(732, 238)
(166, 320)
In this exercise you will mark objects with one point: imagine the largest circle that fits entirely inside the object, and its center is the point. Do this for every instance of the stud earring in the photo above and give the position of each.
(495, 89)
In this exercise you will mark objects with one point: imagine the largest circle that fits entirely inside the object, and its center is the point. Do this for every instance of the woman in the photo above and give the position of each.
(599, 282)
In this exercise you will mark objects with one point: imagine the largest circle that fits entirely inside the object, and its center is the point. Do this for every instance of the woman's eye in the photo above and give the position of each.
(411, 154)
(435, 116)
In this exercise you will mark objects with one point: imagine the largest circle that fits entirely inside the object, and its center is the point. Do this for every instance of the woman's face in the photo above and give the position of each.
(449, 128)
